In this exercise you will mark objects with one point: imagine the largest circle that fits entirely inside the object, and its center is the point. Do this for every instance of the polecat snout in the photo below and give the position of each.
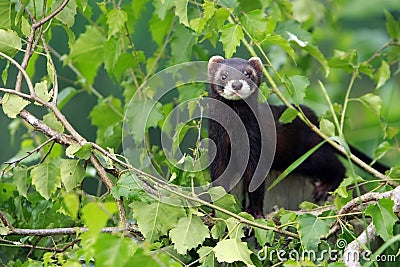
(234, 82)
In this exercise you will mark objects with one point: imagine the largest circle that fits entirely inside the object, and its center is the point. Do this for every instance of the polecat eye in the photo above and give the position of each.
(224, 76)
(247, 74)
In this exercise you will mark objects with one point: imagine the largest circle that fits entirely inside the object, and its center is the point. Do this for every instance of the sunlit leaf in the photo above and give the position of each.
(13, 104)
(231, 35)
(72, 173)
(10, 42)
(383, 217)
(46, 177)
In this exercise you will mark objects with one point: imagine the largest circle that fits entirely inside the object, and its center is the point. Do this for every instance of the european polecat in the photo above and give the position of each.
(234, 84)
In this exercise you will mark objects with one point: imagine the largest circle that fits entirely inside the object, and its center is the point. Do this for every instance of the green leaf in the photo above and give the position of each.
(263, 236)
(383, 74)
(20, 175)
(232, 250)
(392, 26)
(130, 187)
(162, 7)
(255, 23)
(327, 127)
(67, 14)
(373, 102)
(5, 14)
(207, 256)
(72, 173)
(157, 218)
(224, 200)
(311, 228)
(111, 250)
(41, 91)
(71, 201)
(65, 95)
(181, 11)
(113, 47)
(87, 53)
(13, 104)
(231, 35)
(281, 42)
(183, 236)
(46, 177)
(317, 54)
(159, 28)
(51, 120)
(10, 42)
(116, 19)
(288, 115)
(229, 3)
(141, 116)
(96, 214)
(182, 44)
(297, 86)
(383, 217)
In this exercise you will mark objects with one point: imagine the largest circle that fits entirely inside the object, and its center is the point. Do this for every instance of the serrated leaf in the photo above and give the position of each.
(42, 91)
(157, 218)
(182, 235)
(87, 52)
(13, 104)
(231, 35)
(224, 200)
(311, 228)
(129, 187)
(383, 217)
(383, 74)
(373, 102)
(297, 86)
(181, 11)
(51, 120)
(67, 14)
(141, 116)
(232, 250)
(10, 42)
(20, 175)
(46, 178)
(327, 127)
(288, 115)
(116, 19)
(255, 23)
(182, 44)
(72, 173)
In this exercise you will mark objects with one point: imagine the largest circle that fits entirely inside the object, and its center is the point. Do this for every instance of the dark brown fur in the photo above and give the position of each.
(293, 139)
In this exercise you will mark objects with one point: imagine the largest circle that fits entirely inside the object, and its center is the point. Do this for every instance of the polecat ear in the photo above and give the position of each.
(212, 62)
(256, 63)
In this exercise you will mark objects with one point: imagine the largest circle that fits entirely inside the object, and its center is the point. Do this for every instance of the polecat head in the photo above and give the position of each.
(234, 78)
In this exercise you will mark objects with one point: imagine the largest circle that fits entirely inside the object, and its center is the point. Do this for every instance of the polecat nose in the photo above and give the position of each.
(236, 85)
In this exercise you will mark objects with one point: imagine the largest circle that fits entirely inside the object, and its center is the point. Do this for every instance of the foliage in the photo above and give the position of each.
(49, 214)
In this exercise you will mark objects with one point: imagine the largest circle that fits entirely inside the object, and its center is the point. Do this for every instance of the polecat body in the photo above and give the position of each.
(234, 82)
